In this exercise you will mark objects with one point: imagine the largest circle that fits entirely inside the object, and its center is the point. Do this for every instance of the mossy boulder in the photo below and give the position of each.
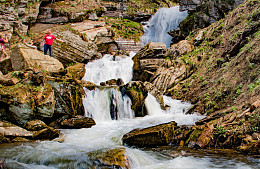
(76, 71)
(23, 102)
(162, 134)
(110, 158)
(46, 133)
(78, 122)
(137, 93)
(35, 125)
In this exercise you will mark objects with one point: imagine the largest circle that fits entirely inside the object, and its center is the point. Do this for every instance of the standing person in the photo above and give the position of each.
(48, 40)
(2, 47)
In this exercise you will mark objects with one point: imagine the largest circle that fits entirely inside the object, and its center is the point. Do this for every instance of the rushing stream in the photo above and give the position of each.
(161, 23)
(81, 146)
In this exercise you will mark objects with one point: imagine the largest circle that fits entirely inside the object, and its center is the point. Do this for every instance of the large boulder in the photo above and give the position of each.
(148, 59)
(137, 93)
(78, 122)
(21, 103)
(6, 66)
(46, 133)
(74, 49)
(10, 130)
(162, 134)
(23, 57)
(76, 71)
(110, 158)
(35, 125)
(68, 98)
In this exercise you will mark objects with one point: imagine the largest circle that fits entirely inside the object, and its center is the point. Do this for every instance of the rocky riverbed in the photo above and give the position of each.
(213, 62)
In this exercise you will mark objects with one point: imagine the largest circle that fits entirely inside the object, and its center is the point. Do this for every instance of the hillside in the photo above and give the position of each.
(222, 81)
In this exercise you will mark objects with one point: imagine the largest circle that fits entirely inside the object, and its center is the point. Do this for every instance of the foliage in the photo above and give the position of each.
(220, 131)
(124, 28)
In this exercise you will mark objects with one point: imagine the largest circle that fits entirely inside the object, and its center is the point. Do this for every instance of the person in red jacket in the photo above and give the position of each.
(2, 47)
(48, 40)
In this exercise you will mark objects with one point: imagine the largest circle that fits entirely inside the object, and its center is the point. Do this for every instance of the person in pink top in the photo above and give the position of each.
(48, 40)
(2, 47)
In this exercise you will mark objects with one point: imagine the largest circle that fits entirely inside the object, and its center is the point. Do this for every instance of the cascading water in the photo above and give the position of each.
(162, 22)
(108, 103)
(108, 68)
(81, 147)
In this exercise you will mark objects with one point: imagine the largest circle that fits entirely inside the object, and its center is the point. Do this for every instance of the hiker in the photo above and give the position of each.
(2, 47)
(48, 40)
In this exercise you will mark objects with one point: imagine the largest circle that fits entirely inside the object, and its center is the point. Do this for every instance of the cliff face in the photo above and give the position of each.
(217, 69)
(224, 63)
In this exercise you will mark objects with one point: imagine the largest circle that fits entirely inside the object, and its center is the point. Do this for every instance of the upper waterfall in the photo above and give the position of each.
(161, 23)
(107, 68)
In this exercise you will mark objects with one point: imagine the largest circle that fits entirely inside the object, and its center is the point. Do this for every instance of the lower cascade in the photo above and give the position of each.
(101, 146)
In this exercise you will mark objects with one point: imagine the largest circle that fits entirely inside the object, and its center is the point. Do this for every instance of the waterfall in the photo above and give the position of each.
(107, 104)
(107, 68)
(152, 106)
(161, 23)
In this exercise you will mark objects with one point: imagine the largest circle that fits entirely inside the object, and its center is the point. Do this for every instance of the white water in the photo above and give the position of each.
(80, 147)
(106, 69)
(162, 22)
(99, 104)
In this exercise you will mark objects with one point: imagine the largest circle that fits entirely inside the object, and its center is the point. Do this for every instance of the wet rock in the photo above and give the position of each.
(23, 58)
(34, 125)
(21, 103)
(137, 93)
(88, 85)
(155, 92)
(103, 84)
(6, 66)
(3, 139)
(119, 82)
(76, 71)
(152, 136)
(147, 60)
(112, 158)
(111, 82)
(47, 133)
(10, 130)
(78, 122)
(68, 99)
(20, 139)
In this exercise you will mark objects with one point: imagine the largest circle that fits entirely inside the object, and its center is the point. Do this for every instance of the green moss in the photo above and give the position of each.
(194, 136)
(124, 28)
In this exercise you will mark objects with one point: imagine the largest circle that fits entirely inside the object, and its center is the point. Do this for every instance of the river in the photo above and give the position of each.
(80, 147)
